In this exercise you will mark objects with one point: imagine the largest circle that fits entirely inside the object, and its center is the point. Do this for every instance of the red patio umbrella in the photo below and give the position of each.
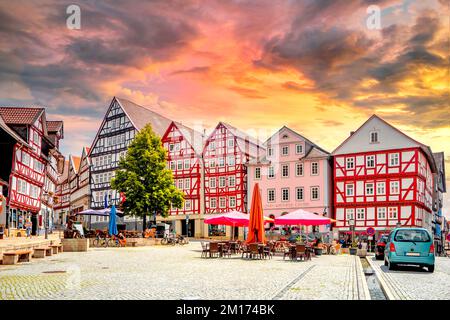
(256, 232)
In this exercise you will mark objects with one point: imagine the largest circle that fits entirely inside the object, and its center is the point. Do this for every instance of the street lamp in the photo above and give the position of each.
(351, 223)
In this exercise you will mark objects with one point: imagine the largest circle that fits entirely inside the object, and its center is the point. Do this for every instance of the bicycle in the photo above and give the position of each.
(100, 242)
(169, 240)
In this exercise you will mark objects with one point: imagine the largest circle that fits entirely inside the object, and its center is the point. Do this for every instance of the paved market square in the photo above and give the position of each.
(167, 272)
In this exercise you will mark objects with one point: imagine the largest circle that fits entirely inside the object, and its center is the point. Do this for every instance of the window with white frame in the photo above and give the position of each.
(232, 202)
(26, 159)
(270, 195)
(221, 162)
(222, 182)
(172, 165)
(370, 161)
(179, 165)
(180, 184)
(212, 145)
(374, 137)
(381, 213)
(34, 191)
(271, 173)
(314, 168)
(171, 147)
(222, 202)
(230, 160)
(349, 190)
(187, 204)
(257, 173)
(395, 187)
(212, 182)
(285, 150)
(285, 194)
(187, 163)
(369, 189)
(231, 181)
(187, 183)
(299, 191)
(285, 170)
(213, 203)
(21, 186)
(393, 212)
(212, 163)
(298, 149)
(381, 188)
(350, 163)
(350, 214)
(177, 146)
(360, 213)
(314, 193)
(230, 143)
(299, 169)
(394, 159)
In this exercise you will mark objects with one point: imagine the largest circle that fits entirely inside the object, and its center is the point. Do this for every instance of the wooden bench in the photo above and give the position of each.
(17, 256)
(56, 248)
(133, 243)
(42, 252)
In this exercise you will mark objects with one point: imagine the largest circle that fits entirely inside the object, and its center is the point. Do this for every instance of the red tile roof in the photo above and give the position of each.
(20, 115)
(53, 126)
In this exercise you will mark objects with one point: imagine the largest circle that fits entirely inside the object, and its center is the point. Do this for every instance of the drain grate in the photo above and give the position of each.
(54, 271)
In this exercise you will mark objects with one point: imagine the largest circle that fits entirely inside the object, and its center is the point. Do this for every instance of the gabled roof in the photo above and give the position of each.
(54, 126)
(241, 134)
(315, 152)
(20, 115)
(75, 162)
(85, 153)
(140, 116)
(12, 133)
(193, 137)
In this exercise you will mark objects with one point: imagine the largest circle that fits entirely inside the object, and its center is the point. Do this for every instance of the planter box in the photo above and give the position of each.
(353, 251)
(318, 251)
(75, 245)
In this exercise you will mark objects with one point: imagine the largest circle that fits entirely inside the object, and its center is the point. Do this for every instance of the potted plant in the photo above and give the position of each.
(354, 248)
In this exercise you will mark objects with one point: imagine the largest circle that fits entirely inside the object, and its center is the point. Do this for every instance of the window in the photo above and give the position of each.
(230, 160)
(222, 182)
(284, 194)
(221, 162)
(394, 187)
(381, 212)
(369, 189)
(350, 213)
(374, 137)
(212, 163)
(285, 150)
(21, 186)
(212, 145)
(298, 149)
(25, 158)
(314, 168)
(392, 213)
(299, 193)
(35, 137)
(370, 161)
(213, 202)
(232, 181)
(271, 195)
(299, 169)
(187, 163)
(172, 165)
(187, 205)
(350, 163)
(271, 172)
(258, 173)
(314, 193)
(394, 159)
(350, 190)
(179, 165)
(187, 183)
(212, 183)
(381, 188)
(34, 191)
(270, 152)
(360, 214)
(405, 235)
(180, 184)
(230, 143)
(222, 202)
(232, 202)
(285, 170)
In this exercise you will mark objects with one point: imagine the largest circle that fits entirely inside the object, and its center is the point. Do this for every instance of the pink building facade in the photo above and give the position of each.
(294, 173)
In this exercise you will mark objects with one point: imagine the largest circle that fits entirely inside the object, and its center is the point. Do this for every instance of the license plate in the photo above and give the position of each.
(414, 254)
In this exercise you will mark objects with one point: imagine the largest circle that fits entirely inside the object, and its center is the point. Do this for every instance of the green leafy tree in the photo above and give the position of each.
(143, 177)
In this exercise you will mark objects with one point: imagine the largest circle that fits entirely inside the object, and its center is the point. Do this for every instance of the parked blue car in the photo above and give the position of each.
(409, 246)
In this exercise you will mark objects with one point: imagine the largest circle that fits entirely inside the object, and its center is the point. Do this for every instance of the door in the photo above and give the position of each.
(34, 224)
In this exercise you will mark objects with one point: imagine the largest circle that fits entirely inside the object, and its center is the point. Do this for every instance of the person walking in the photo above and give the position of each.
(28, 226)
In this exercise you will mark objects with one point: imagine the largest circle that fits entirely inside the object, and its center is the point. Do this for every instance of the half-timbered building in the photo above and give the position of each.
(438, 202)
(62, 206)
(79, 181)
(122, 121)
(30, 156)
(184, 157)
(382, 178)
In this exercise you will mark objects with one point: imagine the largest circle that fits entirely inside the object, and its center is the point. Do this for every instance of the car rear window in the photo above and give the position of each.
(412, 236)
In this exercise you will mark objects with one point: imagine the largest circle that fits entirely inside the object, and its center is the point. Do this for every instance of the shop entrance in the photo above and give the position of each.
(190, 228)
(34, 224)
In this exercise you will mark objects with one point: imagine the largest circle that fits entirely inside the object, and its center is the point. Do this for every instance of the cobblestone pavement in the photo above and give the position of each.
(166, 272)
(413, 283)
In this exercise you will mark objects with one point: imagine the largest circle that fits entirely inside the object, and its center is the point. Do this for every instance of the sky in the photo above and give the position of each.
(312, 65)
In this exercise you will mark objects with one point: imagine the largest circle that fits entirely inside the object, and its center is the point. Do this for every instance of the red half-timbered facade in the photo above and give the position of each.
(226, 153)
(184, 158)
(382, 178)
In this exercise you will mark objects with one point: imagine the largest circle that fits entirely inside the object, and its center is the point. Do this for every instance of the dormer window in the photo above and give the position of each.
(285, 136)
(374, 137)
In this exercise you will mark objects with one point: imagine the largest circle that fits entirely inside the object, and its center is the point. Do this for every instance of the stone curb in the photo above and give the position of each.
(384, 286)
(362, 280)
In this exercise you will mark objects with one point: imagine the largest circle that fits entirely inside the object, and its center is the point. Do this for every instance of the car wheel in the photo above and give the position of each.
(392, 266)
(385, 263)
(431, 268)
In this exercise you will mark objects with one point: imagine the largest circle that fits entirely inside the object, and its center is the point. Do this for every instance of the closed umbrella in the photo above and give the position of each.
(256, 224)
(112, 228)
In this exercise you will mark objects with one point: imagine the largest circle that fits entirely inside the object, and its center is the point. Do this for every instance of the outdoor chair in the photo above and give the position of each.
(226, 250)
(245, 250)
(267, 252)
(213, 249)
(254, 250)
(205, 249)
(287, 252)
(300, 251)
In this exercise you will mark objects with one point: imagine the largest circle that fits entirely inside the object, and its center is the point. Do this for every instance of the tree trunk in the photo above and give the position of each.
(144, 222)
